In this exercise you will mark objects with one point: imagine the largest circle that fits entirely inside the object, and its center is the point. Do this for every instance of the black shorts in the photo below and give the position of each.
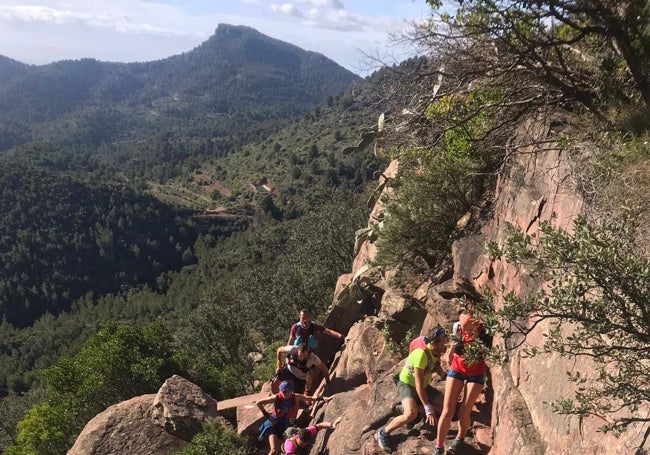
(298, 384)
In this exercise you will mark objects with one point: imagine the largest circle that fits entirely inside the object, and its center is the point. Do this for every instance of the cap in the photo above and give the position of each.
(438, 333)
(286, 386)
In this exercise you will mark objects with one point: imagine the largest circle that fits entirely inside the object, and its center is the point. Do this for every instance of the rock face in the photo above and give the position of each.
(524, 423)
(513, 415)
(150, 424)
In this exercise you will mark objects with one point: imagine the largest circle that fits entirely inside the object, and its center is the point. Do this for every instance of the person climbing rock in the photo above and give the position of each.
(415, 392)
(461, 372)
(304, 330)
(285, 409)
(298, 363)
(300, 440)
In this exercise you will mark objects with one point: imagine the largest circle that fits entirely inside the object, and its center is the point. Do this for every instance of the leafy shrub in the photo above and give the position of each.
(429, 199)
(117, 363)
(599, 283)
(215, 440)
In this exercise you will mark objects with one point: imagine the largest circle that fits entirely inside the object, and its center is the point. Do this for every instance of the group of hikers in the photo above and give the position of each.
(464, 382)
(288, 387)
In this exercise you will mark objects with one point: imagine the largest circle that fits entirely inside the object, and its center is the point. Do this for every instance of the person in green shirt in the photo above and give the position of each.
(415, 392)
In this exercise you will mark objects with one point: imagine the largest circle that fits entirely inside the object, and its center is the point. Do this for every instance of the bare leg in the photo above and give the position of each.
(473, 391)
(274, 443)
(453, 388)
(275, 386)
(409, 413)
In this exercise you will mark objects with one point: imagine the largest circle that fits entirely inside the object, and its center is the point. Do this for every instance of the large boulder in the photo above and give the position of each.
(149, 424)
(126, 428)
(181, 407)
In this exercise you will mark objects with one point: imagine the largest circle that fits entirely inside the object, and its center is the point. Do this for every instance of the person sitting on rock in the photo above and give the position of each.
(304, 330)
(299, 360)
(415, 392)
(301, 441)
(285, 409)
(462, 373)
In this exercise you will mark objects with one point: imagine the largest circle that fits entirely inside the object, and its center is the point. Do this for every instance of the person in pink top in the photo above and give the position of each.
(303, 440)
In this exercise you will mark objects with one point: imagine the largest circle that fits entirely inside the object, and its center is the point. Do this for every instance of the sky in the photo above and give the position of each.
(43, 31)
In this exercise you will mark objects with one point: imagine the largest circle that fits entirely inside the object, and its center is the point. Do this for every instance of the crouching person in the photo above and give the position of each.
(300, 440)
(415, 392)
(285, 409)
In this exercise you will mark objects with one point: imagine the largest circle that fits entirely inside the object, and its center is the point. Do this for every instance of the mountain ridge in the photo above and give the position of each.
(238, 73)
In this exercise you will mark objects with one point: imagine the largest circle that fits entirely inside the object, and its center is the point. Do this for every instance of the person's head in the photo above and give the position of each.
(305, 316)
(438, 337)
(286, 388)
(304, 437)
(303, 351)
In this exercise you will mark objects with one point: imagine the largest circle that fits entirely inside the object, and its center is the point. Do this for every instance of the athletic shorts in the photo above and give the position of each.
(405, 390)
(475, 379)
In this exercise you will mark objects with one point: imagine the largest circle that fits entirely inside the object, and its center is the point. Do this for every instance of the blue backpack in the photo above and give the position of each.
(306, 336)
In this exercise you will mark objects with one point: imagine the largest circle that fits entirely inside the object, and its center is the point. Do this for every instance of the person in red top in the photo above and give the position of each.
(461, 372)
(284, 411)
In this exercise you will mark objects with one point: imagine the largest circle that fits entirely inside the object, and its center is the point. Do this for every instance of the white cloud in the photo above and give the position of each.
(62, 17)
(334, 4)
(288, 9)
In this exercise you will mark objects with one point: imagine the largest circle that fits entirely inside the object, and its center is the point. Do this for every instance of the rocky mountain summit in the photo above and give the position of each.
(512, 415)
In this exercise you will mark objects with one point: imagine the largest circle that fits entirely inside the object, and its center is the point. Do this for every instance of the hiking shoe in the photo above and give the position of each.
(382, 439)
(455, 445)
(438, 451)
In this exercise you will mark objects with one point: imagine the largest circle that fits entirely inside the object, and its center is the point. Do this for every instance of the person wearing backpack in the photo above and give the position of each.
(462, 374)
(415, 392)
(304, 330)
(285, 409)
(299, 361)
(299, 441)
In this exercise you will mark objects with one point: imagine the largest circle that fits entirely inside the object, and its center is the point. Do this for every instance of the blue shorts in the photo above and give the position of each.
(275, 427)
(461, 377)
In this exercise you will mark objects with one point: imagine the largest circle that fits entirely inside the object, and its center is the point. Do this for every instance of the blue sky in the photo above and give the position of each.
(43, 31)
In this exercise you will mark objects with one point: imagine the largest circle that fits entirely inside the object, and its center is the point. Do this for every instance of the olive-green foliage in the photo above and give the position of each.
(117, 363)
(590, 53)
(599, 283)
(617, 175)
(215, 440)
(429, 199)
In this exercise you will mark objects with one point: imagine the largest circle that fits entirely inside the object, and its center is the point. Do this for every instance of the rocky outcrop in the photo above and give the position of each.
(181, 407)
(150, 424)
(538, 186)
(513, 416)
(126, 428)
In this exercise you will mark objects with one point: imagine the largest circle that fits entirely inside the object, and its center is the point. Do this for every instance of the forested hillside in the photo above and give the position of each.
(207, 192)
